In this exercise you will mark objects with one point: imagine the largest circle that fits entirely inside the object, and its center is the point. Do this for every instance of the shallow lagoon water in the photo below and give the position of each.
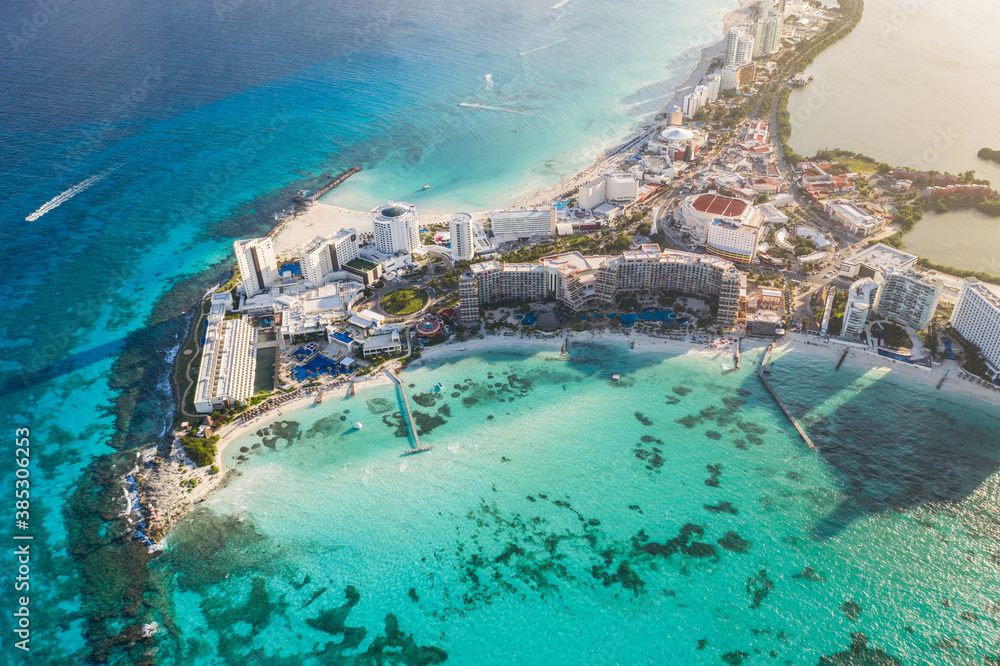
(670, 517)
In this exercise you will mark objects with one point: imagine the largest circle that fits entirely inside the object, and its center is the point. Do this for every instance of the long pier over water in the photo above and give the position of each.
(774, 394)
(416, 448)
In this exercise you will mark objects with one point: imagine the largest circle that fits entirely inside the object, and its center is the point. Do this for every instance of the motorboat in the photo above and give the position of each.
(357, 425)
(425, 187)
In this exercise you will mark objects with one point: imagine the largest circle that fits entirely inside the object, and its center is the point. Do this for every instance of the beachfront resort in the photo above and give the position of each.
(704, 222)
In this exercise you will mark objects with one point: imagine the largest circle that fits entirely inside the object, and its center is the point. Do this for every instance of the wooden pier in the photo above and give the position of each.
(774, 394)
(415, 447)
(842, 357)
(319, 397)
(350, 390)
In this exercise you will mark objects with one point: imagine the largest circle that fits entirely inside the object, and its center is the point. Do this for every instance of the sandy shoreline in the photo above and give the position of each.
(162, 486)
(324, 219)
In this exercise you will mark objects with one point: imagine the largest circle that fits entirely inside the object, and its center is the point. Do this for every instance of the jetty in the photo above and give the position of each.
(350, 389)
(941, 383)
(333, 183)
(736, 352)
(842, 357)
(774, 394)
(415, 446)
(319, 397)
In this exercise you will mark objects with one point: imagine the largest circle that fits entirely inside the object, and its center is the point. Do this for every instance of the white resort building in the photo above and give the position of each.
(862, 299)
(324, 256)
(396, 227)
(852, 218)
(581, 282)
(977, 318)
(460, 226)
(876, 259)
(523, 223)
(908, 298)
(619, 188)
(228, 360)
(726, 227)
(257, 263)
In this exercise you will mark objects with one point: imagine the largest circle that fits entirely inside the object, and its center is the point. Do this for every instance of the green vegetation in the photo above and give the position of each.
(851, 161)
(989, 154)
(404, 301)
(894, 335)
(199, 449)
(959, 272)
(361, 264)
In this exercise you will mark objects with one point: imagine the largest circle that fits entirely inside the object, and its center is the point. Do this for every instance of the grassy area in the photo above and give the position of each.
(895, 335)
(192, 344)
(361, 264)
(404, 301)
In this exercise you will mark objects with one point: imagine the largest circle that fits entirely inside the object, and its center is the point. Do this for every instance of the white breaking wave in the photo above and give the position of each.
(542, 48)
(489, 81)
(59, 200)
(559, 4)
(489, 108)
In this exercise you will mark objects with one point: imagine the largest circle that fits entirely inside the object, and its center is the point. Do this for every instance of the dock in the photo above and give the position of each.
(350, 390)
(841, 361)
(415, 447)
(736, 352)
(774, 394)
(941, 383)
(319, 397)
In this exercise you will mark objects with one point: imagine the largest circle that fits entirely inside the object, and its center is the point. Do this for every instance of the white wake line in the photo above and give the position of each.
(542, 48)
(68, 194)
(559, 4)
(489, 108)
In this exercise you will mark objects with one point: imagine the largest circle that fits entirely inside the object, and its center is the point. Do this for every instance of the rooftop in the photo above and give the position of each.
(720, 206)
(882, 256)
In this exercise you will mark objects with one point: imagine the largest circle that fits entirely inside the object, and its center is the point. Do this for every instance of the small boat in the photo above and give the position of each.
(439, 387)
(425, 187)
(357, 425)
(616, 377)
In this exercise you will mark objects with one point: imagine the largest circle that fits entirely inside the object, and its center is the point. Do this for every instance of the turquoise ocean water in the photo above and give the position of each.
(564, 518)
(142, 138)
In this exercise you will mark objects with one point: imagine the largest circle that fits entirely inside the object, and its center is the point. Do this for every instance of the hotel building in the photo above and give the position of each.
(852, 218)
(876, 261)
(617, 188)
(257, 263)
(977, 318)
(462, 248)
(524, 223)
(726, 227)
(396, 227)
(909, 298)
(580, 282)
(323, 256)
(862, 299)
(228, 360)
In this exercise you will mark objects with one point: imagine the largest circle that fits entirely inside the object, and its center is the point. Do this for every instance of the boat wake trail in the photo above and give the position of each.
(489, 108)
(542, 48)
(560, 4)
(59, 200)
